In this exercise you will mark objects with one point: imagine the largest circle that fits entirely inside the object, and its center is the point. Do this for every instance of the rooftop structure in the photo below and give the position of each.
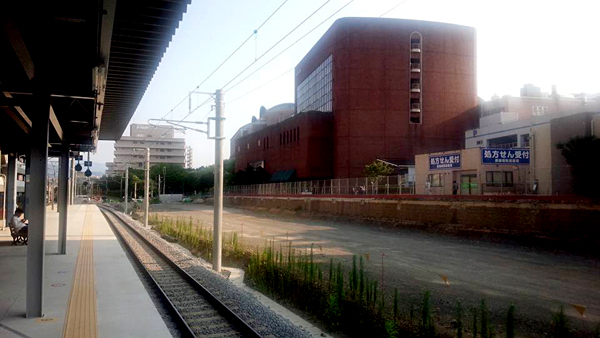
(506, 122)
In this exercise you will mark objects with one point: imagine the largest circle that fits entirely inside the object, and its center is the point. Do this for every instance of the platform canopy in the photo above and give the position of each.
(94, 58)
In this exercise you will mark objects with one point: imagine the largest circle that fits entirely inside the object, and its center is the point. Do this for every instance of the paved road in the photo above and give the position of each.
(537, 282)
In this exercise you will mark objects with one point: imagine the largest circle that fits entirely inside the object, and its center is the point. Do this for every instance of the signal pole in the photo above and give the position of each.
(147, 187)
(218, 189)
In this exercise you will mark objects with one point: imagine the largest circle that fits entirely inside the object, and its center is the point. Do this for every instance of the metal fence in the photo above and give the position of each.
(523, 181)
(386, 185)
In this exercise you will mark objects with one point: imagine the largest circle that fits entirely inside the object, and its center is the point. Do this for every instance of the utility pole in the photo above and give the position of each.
(218, 187)
(126, 187)
(159, 186)
(147, 187)
(218, 195)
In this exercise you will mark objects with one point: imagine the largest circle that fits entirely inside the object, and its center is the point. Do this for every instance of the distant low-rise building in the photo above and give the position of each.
(535, 166)
(130, 151)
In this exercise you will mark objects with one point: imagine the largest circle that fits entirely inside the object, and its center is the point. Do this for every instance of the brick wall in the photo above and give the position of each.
(530, 219)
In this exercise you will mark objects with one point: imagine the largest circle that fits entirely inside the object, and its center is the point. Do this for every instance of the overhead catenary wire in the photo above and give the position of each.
(288, 47)
(222, 63)
(391, 9)
(276, 44)
(262, 85)
(240, 46)
(254, 32)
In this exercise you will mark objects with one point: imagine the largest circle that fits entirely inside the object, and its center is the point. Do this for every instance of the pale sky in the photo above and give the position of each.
(541, 42)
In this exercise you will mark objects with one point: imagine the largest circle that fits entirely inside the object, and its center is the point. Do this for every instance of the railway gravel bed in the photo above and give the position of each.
(262, 319)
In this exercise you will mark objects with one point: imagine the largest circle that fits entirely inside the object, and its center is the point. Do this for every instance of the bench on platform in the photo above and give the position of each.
(18, 237)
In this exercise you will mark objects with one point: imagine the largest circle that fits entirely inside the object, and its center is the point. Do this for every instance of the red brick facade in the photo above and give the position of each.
(371, 67)
(303, 143)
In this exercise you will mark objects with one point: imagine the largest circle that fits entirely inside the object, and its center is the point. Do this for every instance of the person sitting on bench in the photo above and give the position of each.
(19, 225)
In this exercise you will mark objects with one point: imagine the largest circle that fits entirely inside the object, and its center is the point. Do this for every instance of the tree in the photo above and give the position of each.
(135, 180)
(228, 172)
(581, 153)
(378, 169)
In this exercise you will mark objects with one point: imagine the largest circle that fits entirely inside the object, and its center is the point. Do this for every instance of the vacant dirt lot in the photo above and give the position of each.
(537, 282)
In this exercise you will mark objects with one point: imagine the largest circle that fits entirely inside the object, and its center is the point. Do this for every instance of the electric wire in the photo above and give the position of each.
(277, 43)
(288, 47)
(240, 46)
(391, 9)
(213, 72)
(262, 85)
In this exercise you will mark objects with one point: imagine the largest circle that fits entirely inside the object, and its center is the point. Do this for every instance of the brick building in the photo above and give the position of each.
(387, 88)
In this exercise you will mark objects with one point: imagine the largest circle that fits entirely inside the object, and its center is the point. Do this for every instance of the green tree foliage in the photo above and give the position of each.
(378, 169)
(180, 180)
(581, 153)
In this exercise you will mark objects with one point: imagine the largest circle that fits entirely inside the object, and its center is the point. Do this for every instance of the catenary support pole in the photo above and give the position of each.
(218, 196)
(11, 186)
(36, 210)
(147, 188)
(72, 184)
(126, 187)
(63, 195)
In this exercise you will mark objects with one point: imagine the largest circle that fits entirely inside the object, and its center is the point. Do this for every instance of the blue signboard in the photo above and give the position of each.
(444, 161)
(504, 156)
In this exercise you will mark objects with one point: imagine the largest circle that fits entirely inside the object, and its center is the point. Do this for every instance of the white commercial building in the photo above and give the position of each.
(130, 151)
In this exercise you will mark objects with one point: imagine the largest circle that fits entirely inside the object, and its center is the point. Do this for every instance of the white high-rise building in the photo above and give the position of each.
(189, 157)
(131, 150)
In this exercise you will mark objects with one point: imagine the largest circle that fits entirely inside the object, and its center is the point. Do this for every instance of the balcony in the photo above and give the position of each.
(415, 107)
(415, 47)
(415, 87)
(415, 67)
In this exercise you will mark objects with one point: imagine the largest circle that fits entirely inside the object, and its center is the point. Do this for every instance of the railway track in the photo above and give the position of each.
(196, 311)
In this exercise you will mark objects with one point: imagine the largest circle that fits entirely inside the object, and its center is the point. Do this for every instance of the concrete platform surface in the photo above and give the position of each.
(122, 305)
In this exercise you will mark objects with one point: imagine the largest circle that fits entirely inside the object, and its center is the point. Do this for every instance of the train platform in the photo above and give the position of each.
(91, 291)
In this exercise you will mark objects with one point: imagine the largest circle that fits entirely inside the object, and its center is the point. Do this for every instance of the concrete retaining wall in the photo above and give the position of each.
(543, 220)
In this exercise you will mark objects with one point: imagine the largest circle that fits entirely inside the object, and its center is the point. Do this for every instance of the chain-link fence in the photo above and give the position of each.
(385, 185)
(485, 181)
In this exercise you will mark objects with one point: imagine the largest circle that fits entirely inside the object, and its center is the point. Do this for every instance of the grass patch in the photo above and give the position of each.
(198, 238)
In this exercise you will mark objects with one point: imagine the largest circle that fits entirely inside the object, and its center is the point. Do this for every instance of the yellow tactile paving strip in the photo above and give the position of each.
(81, 319)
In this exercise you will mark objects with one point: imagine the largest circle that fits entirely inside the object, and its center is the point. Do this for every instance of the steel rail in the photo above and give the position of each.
(223, 309)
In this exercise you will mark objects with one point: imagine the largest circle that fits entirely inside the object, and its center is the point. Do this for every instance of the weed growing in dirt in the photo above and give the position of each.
(510, 322)
(198, 238)
(560, 324)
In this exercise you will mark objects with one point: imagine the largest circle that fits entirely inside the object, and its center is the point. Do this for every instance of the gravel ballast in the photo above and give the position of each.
(265, 321)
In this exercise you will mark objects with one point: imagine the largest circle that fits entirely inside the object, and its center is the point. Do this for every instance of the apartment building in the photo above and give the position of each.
(130, 151)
